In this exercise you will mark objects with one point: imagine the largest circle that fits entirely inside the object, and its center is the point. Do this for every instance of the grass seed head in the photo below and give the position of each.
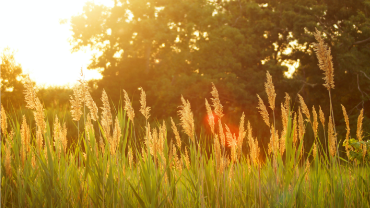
(76, 103)
(332, 137)
(359, 131)
(304, 108)
(30, 94)
(177, 134)
(315, 123)
(128, 107)
(186, 118)
(211, 118)
(324, 57)
(217, 107)
(270, 90)
(263, 111)
(4, 123)
(144, 109)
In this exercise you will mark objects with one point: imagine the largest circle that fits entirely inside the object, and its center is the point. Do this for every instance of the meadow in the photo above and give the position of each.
(117, 161)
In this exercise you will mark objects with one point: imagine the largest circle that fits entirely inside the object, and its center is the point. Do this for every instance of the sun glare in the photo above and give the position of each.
(33, 30)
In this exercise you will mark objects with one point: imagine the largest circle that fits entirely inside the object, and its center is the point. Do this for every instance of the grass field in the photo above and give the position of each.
(110, 164)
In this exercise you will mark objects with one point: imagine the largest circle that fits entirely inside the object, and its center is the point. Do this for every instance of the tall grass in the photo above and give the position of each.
(113, 165)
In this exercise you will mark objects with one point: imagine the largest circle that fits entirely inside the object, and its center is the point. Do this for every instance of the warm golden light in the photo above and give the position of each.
(33, 30)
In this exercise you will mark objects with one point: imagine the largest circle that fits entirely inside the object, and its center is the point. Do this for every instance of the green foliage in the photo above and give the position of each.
(359, 152)
(11, 80)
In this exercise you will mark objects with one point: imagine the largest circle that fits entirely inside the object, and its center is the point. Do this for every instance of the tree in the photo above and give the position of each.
(178, 47)
(11, 80)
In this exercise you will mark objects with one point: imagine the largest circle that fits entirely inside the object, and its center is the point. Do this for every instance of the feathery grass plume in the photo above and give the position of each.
(295, 130)
(186, 118)
(4, 123)
(211, 118)
(161, 139)
(57, 131)
(287, 102)
(273, 146)
(315, 123)
(175, 160)
(153, 139)
(253, 146)
(187, 160)
(8, 157)
(25, 139)
(217, 152)
(63, 138)
(304, 108)
(301, 127)
(282, 142)
(322, 117)
(216, 102)
(332, 138)
(76, 103)
(314, 150)
(177, 135)
(221, 133)
(324, 57)
(164, 129)
(241, 134)
(263, 111)
(284, 118)
(114, 141)
(106, 115)
(359, 125)
(346, 141)
(128, 107)
(30, 94)
(232, 143)
(40, 123)
(144, 110)
(270, 90)
(91, 105)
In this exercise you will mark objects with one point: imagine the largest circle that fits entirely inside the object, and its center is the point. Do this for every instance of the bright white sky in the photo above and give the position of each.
(32, 30)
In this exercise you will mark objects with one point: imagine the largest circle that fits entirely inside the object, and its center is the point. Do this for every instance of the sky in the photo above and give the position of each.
(40, 42)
